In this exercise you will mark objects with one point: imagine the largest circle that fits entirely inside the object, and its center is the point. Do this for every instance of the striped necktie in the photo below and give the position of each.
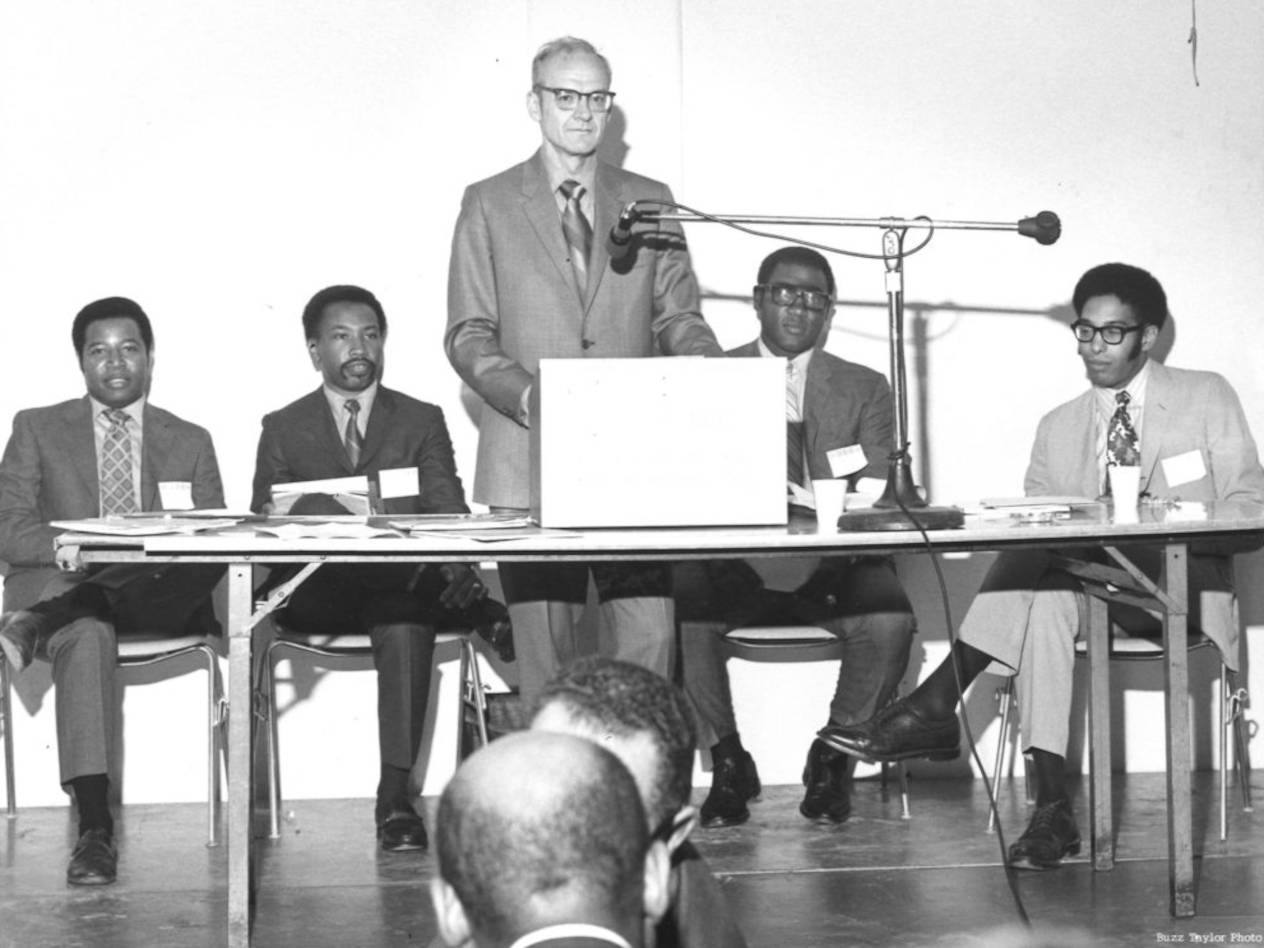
(352, 440)
(577, 231)
(118, 485)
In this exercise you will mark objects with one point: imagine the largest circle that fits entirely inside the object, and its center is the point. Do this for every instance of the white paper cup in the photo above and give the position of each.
(1125, 482)
(829, 494)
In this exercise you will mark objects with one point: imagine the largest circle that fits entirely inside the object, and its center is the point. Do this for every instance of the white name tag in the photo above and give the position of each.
(176, 495)
(399, 482)
(846, 461)
(1184, 468)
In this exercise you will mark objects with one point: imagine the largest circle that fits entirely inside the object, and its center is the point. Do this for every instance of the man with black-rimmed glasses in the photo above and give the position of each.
(528, 281)
(1187, 433)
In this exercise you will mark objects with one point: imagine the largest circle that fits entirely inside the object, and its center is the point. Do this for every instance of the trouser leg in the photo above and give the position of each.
(637, 608)
(403, 653)
(705, 679)
(875, 654)
(544, 603)
(84, 656)
(1046, 665)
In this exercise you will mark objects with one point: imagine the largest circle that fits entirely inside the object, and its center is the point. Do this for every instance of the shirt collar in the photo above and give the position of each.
(556, 174)
(1107, 398)
(571, 930)
(134, 411)
(798, 364)
(338, 401)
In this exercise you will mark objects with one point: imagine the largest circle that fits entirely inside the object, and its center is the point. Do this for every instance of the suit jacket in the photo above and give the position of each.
(301, 442)
(512, 300)
(49, 472)
(843, 404)
(1185, 411)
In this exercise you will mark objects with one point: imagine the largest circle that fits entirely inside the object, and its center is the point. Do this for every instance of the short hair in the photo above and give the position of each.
(1133, 286)
(111, 307)
(346, 293)
(626, 700)
(587, 840)
(803, 256)
(565, 45)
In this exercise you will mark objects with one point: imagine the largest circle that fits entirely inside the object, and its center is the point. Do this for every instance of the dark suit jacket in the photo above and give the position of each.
(843, 404)
(49, 472)
(512, 300)
(301, 442)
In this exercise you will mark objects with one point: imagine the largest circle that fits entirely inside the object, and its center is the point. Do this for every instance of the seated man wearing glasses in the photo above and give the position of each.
(836, 411)
(527, 282)
(1187, 432)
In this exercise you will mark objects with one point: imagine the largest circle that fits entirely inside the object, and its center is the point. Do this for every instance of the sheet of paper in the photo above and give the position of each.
(325, 530)
(435, 523)
(143, 526)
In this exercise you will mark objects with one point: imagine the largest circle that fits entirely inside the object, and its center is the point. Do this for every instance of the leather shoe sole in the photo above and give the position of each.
(19, 632)
(94, 861)
(402, 833)
(899, 732)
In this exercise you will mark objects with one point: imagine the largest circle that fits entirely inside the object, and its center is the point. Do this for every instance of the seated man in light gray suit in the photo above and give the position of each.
(1187, 432)
(109, 452)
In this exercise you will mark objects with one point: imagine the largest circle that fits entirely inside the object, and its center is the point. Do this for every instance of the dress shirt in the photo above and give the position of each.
(796, 379)
(338, 405)
(571, 930)
(1107, 403)
(101, 425)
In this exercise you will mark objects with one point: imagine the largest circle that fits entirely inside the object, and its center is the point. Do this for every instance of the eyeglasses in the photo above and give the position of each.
(568, 99)
(784, 295)
(1111, 335)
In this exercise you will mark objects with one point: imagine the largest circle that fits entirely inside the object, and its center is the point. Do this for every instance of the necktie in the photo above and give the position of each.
(1121, 438)
(577, 231)
(795, 467)
(351, 437)
(118, 488)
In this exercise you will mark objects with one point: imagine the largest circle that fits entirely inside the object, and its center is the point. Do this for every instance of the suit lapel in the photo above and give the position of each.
(81, 448)
(1154, 424)
(156, 444)
(540, 208)
(380, 423)
(323, 430)
(608, 200)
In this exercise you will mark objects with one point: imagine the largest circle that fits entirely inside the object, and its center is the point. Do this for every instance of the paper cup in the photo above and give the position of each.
(829, 496)
(1125, 482)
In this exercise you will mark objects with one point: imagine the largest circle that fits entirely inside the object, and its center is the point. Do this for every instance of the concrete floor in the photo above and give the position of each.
(876, 880)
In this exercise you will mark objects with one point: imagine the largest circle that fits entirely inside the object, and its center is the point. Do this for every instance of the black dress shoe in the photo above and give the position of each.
(402, 832)
(19, 634)
(897, 732)
(95, 859)
(490, 620)
(734, 780)
(1050, 835)
(827, 776)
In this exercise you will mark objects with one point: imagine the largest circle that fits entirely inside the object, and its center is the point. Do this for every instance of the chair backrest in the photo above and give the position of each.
(784, 643)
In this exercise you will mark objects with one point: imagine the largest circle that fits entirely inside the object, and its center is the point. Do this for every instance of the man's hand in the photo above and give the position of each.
(464, 586)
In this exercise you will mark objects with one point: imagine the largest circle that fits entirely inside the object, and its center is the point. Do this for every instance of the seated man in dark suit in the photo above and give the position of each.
(110, 452)
(646, 722)
(1187, 432)
(542, 841)
(352, 425)
(839, 424)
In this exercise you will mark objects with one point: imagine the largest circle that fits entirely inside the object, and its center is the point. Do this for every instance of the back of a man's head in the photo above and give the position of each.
(619, 700)
(539, 829)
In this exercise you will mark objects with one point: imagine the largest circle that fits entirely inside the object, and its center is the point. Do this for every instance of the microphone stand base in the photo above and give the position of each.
(878, 519)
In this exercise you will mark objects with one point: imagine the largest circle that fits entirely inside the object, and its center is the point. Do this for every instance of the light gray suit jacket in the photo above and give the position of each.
(49, 472)
(512, 300)
(1184, 411)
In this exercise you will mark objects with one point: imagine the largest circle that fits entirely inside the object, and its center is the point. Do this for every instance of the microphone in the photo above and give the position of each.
(620, 241)
(1045, 227)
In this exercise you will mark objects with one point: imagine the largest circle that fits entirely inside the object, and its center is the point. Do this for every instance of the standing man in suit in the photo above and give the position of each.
(353, 425)
(110, 452)
(542, 841)
(529, 282)
(838, 417)
(645, 721)
(1191, 439)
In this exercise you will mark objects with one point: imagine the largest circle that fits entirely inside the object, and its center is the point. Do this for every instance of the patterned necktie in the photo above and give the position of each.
(118, 487)
(577, 231)
(1121, 438)
(351, 438)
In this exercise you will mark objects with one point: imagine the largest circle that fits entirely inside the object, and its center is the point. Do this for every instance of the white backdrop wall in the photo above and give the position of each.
(219, 162)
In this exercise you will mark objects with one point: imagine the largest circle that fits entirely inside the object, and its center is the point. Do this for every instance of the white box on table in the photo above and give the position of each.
(659, 442)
